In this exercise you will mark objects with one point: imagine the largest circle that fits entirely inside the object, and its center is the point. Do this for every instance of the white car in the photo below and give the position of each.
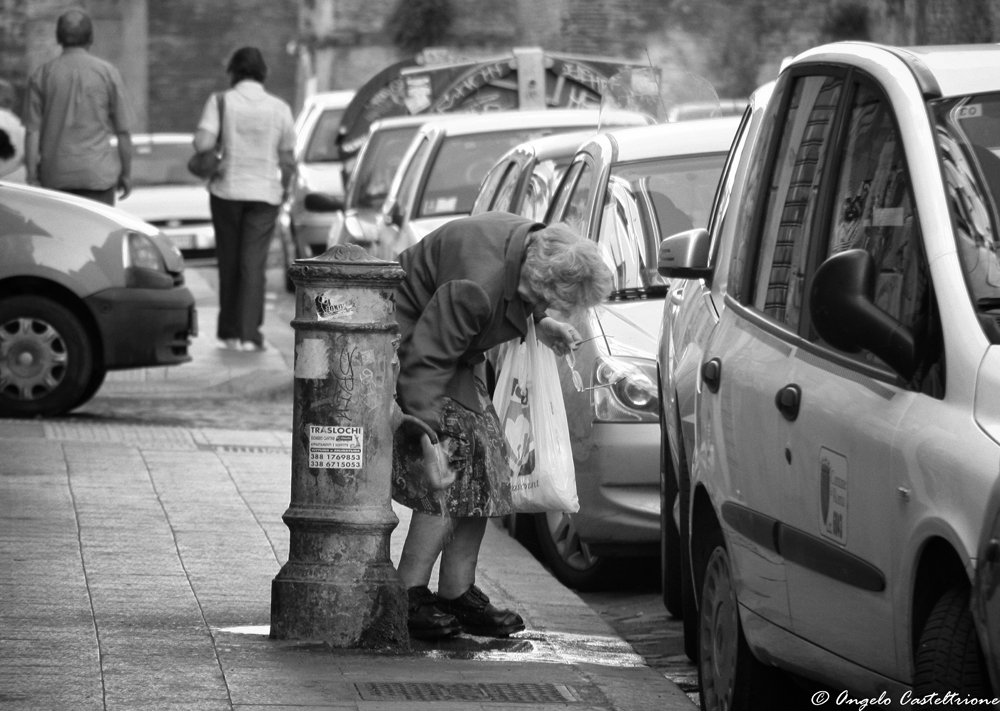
(166, 194)
(440, 175)
(831, 381)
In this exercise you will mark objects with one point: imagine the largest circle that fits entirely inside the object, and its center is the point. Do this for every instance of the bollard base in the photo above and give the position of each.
(361, 615)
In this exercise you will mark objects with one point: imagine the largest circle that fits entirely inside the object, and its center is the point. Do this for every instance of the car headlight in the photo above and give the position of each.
(143, 262)
(625, 390)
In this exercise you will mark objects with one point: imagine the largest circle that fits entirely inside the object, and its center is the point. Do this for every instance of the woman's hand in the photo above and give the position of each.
(560, 337)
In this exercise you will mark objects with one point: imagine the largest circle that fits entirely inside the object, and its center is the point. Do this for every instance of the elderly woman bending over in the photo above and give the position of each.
(472, 285)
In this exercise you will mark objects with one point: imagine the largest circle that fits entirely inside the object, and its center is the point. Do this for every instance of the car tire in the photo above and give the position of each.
(670, 537)
(46, 358)
(729, 676)
(949, 656)
(567, 556)
(96, 381)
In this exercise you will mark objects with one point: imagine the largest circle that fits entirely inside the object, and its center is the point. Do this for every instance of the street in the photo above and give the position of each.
(633, 607)
(238, 422)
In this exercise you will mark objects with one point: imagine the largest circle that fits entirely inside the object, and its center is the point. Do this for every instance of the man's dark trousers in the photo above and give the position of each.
(243, 232)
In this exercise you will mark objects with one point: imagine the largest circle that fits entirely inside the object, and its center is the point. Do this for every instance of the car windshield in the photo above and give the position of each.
(647, 201)
(323, 146)
(461, 165)
(162, 164)
(377, 165)
(968, 133)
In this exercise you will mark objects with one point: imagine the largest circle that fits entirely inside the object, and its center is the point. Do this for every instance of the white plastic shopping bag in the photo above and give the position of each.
(529, 402)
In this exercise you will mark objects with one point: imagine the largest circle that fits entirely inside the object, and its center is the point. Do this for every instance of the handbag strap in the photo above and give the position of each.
(220, 101)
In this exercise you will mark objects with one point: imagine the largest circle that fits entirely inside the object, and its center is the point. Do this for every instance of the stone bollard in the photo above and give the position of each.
(339, 584)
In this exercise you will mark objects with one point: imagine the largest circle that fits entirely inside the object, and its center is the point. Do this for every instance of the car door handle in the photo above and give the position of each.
(787, 401)
(711, 374)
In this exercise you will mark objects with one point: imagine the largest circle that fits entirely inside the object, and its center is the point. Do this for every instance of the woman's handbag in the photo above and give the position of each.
(208, 164)
(529, 402)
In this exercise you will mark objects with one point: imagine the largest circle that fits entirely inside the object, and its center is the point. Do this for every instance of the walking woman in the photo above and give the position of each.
(257, 140)
(472, 285)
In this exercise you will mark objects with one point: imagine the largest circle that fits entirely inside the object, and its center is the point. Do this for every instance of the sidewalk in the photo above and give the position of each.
(137, 563)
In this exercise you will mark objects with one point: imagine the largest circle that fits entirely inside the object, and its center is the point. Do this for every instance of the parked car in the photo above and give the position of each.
(374, 168)
(524, 179)
(84, 288)
(167, 195)
(439, 177)
(830, 379)
(624, 189)
(319, 168)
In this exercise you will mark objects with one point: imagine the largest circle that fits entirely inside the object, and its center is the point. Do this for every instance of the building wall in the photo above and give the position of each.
(190, 42)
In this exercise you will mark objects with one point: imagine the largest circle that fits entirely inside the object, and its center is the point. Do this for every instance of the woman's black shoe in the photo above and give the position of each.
(425, 619)
(479, 617)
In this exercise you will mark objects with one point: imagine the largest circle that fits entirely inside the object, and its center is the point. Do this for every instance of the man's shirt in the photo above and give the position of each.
(76, 102)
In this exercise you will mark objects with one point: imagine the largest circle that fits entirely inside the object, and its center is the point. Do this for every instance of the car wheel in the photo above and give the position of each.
(949, 657)
(46, 358)
(569, 558)
(96, 381)
(729, 676)
(670, 537)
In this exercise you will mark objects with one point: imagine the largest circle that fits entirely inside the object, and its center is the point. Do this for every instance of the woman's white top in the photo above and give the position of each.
(256, 126)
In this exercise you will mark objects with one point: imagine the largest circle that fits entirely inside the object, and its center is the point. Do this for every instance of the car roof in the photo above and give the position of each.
(493, 121)
(940, 71)
(329, 100)
(673, 139)
(558, 145)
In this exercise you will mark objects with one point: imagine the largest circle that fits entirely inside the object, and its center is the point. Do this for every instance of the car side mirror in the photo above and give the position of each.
(844, 314)
(685, 255)
(323, 202)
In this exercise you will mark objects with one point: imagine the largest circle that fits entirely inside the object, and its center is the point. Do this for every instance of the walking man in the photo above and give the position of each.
(76, 103)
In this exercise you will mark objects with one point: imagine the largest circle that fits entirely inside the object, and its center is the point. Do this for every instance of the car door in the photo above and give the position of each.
(750, 356)
(837, 534)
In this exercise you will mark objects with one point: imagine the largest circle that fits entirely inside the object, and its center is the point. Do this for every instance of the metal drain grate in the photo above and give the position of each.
(510, 693)
(242, 449)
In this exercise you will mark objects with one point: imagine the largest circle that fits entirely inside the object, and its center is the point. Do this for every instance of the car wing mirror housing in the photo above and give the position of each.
(685, 255)
(844, 314)
(323, 202)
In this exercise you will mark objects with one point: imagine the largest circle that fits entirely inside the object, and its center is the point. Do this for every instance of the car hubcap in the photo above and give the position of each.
(719, 633)
(32, 359)
(574, 552)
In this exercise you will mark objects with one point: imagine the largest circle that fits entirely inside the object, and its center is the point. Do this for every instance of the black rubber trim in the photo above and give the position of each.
(761, 529)
(828, 559)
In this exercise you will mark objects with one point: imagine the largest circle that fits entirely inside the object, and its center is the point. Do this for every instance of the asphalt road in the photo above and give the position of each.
(632, 606)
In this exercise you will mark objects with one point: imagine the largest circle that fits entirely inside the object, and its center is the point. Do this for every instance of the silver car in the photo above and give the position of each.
(831, 380)
(625, 190)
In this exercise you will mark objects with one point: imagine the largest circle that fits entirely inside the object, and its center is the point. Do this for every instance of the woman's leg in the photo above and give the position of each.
(460, 556)
(257, 233)
(424, 540)
(227, 216)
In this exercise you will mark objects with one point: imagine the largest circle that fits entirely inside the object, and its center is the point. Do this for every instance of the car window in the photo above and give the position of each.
(792, 198)
(460, 165)
(647, 201)
(505, 192)
(575, 213)
(968, 134)
(162, 164)
(377, 164)
(323, 145)
(873, 207)
(489, 188)
(408, 183)
(544, 178)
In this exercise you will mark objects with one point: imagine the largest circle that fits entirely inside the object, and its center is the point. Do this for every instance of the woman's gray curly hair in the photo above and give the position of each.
(564, 270)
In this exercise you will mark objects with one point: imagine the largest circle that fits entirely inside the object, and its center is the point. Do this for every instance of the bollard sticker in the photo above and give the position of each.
(333, 447)
(333, 305)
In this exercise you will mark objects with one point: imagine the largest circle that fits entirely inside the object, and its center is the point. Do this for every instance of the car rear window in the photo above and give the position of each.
(463, 162)
(377, 165)
(162, 164)
(323, 146)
